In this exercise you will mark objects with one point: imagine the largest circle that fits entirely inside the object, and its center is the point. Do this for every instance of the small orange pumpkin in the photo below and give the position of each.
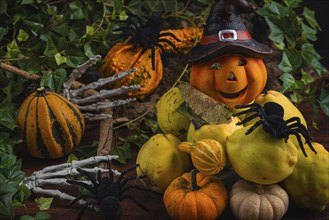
(194, 196)
(230, 79)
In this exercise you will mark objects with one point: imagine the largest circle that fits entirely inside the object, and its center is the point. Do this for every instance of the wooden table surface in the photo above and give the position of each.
(153, 201)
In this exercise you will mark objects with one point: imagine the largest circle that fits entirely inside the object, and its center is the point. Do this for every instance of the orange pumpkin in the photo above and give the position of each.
(230, 79)
(195, 196)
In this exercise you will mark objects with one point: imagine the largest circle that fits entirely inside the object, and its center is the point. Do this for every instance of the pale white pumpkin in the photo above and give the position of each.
(249, 200)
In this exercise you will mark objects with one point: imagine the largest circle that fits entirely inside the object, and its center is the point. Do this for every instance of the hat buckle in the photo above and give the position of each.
(227, 35)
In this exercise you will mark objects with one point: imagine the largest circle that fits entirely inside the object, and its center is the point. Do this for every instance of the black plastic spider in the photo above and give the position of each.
(147, 35)
(271, 117)
(107, 192)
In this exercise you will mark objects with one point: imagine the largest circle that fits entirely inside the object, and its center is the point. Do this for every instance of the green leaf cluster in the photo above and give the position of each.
(12, 194)
(294, 34)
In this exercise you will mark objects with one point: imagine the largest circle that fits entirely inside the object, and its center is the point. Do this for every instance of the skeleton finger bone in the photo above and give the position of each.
(103, 94)
(101, 82)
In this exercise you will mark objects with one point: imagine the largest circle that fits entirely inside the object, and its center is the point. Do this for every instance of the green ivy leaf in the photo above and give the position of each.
(123, 152)
(44, 203)
(153, 125)
(51, 49)
(309, 16)
(308, 32)
(22, 195)
(13, 50)
(273, 9)
(168, 5)
(289, 82)
(36, 28)
(7, 118)
(306, 77)
(39, 216)
(292, 3)
(312, 57)
(60, 59)
(7, 192)
(10, 178)
(76, 10)
(3, 7)
(22, 35)
(154, 6)
(54, 79)
(42, 216)
(276, 34)
(291, 60)
(295, 97)
(7, 143)
(3, 32)
(138, 139)
(135, 7)
(324, 101)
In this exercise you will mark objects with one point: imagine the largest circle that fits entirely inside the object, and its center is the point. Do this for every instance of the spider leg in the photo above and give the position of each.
(299, 141)
(135, 201)
(306, 136)
(123, 173)
(125, 180)
(84, 185)
(252, 128)
(163, 34)
(137, 187)
(302, 129)
(245, 120)
(83, 196)
(293, 119)
(251, 109)
(170, 43)
(88, 175)
(83, 209)
(153, 57)
(164, 57)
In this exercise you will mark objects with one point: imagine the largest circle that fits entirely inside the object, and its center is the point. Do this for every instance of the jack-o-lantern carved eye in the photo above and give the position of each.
(215, 66)
(242, 62)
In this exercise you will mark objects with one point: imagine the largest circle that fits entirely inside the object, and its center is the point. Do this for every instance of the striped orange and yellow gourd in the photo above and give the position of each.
(49, 124)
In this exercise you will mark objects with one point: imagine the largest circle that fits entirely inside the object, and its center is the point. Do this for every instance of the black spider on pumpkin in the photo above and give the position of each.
(271, 117)
(106, 192)
(147, 35)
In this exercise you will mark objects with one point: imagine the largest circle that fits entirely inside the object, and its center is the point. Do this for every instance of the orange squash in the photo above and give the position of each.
(230, 79)
(124, 56)
(194, 196)
(187, 37)
(49, 124)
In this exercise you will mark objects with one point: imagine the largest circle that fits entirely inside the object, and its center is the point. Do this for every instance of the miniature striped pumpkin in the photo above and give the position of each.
(208, 155)
(49, 125)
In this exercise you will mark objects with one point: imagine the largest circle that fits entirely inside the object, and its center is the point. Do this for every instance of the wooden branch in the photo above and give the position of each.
(19, 72)
(105, 137)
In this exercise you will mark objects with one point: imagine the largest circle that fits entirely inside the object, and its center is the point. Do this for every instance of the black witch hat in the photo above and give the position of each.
(225, 33)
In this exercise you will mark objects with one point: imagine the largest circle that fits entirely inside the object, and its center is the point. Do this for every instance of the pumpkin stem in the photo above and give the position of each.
(259, 189)
(41, 91)
(194, 186)
(185, 146)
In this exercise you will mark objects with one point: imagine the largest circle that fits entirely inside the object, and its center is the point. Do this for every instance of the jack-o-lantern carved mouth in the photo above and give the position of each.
(232, 95)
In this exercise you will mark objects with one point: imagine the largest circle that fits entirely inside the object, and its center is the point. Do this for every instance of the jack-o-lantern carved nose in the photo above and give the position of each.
(231, 77)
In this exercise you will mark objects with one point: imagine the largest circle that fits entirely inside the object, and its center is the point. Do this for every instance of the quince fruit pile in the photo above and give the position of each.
(256, 156)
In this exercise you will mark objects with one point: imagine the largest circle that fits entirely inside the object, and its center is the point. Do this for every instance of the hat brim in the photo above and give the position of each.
(204, 53)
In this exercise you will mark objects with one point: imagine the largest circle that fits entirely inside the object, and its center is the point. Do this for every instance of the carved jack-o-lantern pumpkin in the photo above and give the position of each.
(230, 79)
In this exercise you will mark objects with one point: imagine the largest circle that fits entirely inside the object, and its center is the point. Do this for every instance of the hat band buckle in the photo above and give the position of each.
(227, 35)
